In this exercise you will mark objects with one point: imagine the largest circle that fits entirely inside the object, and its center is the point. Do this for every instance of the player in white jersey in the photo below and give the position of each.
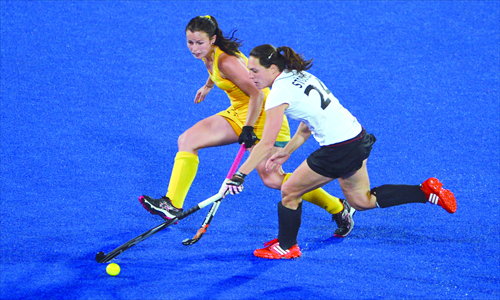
(309, 101)
(345, 147)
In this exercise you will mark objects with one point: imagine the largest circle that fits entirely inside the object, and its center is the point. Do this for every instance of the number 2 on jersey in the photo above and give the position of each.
(324, 103)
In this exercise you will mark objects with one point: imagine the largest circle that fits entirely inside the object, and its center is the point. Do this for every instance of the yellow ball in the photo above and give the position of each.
(113, 269)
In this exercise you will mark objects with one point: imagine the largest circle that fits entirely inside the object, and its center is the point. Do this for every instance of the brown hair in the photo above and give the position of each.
(283, 57)
(209, 25)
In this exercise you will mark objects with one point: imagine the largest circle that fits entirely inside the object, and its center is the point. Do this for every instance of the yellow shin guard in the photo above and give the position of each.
(322, 199)
(183, 174)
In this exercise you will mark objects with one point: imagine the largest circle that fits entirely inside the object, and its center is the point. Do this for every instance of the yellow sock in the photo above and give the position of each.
(183, 174)
(322, 199)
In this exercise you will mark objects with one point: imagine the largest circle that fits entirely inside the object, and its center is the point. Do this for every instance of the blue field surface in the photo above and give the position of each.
(94, 95)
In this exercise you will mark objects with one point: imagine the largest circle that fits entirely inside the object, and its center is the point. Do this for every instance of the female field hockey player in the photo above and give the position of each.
(344, 148)
(241, 122)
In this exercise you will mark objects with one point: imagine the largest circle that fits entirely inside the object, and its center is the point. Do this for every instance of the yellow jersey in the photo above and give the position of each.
(240, 101)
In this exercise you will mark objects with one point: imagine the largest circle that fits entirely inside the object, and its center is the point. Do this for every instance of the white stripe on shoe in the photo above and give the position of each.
(278, 249)
(433, 198)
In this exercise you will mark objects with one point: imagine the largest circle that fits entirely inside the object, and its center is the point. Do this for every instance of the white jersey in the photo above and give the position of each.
(311, 102)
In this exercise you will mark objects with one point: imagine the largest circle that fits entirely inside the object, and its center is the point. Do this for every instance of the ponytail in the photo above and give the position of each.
(209, 25)
(283, 57)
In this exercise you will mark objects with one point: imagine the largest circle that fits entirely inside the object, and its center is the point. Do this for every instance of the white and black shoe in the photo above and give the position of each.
(344, 220)
(162, 207)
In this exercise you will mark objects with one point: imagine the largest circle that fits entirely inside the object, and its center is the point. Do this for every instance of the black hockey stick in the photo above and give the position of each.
(101, 257)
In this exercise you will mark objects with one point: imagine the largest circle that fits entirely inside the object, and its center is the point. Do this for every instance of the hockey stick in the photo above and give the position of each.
(204, 226)
(210, 215)
(101, 257)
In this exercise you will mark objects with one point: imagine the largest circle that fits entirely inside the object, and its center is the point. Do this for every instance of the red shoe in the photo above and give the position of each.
(433, 190)
(273, 250)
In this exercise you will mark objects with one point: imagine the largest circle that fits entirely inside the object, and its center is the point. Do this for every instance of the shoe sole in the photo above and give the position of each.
(292, 256)
(446, 197)
(151, 209)
(284, 257)
(447, 201)
(352, 226)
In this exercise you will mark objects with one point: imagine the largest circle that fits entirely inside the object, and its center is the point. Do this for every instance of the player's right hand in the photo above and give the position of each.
(247, 136)
(235, 185)
(201, 93)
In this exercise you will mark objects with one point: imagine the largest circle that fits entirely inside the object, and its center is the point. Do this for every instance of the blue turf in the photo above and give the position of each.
(95, 93)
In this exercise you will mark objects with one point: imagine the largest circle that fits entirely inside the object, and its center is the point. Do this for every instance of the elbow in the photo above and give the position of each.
(261, 95)
(266, 146)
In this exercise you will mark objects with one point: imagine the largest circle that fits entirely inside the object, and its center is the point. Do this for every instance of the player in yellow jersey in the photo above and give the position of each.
(242, 122)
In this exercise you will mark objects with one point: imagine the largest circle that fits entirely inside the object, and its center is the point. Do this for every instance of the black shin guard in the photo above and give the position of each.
(392, 195)
(289, 224)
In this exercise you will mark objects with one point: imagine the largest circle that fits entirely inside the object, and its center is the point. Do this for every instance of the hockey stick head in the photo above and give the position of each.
(189, 242)
(197, 236)
(100, 257)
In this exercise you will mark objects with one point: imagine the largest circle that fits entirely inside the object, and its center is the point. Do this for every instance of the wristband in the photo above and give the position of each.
(238, 173)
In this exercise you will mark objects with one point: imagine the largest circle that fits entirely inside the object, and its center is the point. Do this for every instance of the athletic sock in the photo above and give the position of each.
(289, 224)
(392, 195)
(183, 174)
(321, 198)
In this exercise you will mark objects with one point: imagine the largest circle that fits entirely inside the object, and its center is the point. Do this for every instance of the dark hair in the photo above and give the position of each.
(209, 25)
(269, 55)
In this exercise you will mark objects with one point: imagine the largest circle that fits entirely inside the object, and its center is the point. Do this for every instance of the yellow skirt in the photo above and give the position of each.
(237, 120)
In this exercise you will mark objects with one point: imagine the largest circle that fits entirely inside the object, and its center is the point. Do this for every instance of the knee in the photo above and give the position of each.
(362, 202)
(181, 140)
(184, 141)
(291, 202)
(273, 180)
(290, 197)
(360, 206)
(272, 183)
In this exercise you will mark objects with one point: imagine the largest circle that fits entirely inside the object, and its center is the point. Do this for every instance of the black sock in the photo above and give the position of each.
(392, 195)
(289, 224)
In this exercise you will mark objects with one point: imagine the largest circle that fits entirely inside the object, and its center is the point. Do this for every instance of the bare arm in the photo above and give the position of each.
(274, 120)
(234, 70)
(299, 138)
(204, 90)
(282, 155)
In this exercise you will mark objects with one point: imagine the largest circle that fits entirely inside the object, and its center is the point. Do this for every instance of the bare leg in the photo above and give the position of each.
(210, 132)
(356, 189)
(272, 179)
(302, 180)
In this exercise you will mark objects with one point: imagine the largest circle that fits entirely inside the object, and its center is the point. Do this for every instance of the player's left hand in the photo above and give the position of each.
(247, 136)
(276, 160)
(235, 184)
